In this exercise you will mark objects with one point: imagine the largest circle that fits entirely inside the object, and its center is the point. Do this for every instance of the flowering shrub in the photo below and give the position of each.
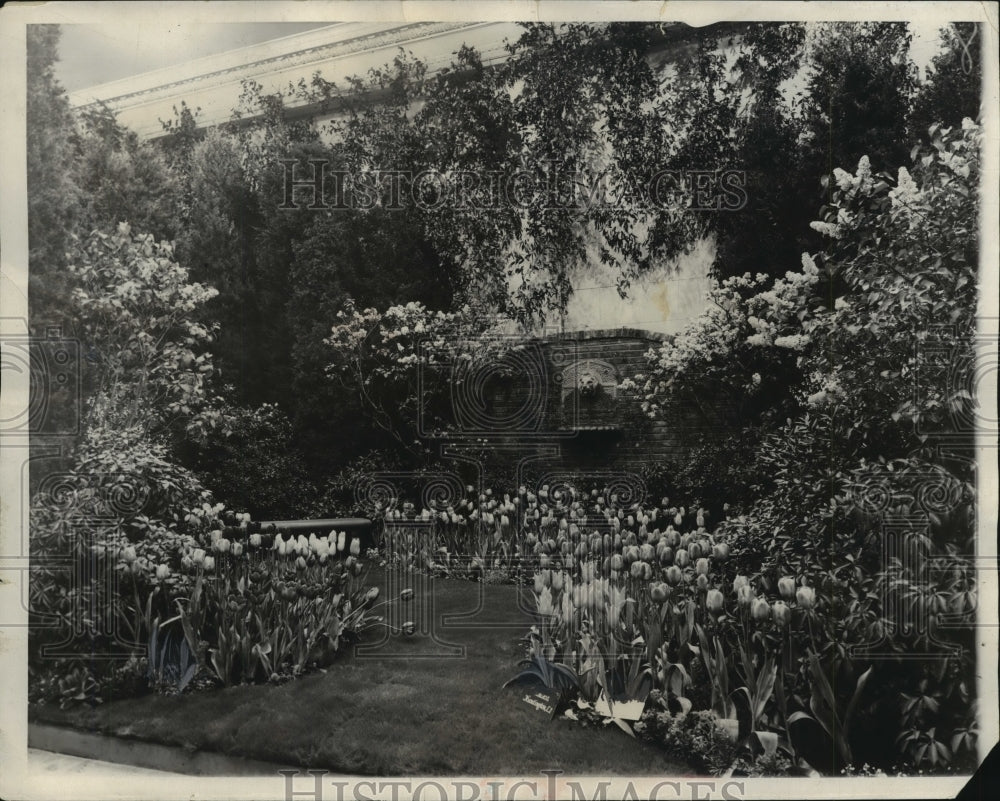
(145, 343)
(736, 354)
(107, 536)
(405, 363)
(106, 562)
(852, 497)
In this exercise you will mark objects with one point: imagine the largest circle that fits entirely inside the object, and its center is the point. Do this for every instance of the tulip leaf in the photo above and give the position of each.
(743, 704)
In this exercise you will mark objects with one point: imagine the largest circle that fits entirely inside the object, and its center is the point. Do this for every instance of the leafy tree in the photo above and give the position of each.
(952, 89)
(254, 465)
(54, 197)
(125, 180)
(858, 96)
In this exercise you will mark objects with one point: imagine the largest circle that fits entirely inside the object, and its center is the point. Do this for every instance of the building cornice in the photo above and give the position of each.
(335, 52)
(213, 84)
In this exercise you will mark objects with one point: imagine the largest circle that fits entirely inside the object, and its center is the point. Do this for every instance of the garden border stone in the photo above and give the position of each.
(142, 754)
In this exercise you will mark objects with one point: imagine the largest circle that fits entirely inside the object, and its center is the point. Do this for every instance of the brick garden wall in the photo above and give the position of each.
(538, 411)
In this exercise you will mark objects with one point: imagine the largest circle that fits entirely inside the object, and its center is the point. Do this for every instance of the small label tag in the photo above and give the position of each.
(542, 699)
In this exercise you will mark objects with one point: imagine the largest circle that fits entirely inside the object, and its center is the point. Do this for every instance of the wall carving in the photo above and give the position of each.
(591, 377)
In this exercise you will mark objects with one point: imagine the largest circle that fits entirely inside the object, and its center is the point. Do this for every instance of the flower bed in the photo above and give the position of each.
(265, 605)
(204, 599)
(651, 612)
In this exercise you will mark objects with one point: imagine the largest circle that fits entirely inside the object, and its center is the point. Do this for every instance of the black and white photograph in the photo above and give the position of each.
(504, 400)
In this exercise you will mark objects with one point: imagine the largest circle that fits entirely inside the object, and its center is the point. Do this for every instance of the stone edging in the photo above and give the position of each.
(137, 753)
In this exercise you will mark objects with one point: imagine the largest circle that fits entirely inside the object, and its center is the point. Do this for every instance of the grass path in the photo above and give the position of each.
(417, 705)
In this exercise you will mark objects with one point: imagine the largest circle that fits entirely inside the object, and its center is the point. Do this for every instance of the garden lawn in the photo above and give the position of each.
(407, 708)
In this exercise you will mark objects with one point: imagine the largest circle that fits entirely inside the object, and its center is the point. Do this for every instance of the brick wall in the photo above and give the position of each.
(539, 406)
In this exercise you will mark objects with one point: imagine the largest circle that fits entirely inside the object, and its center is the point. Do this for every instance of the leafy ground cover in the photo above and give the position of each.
(407, 713)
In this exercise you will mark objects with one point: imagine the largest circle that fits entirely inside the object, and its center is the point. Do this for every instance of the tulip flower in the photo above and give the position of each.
(237, 549)
(666, 554)
(714, 601)
(744, 595)
(539, 583)
(255, 540)
(786, 586)
(223, 545)
(805, 597)
(694, 550)
(617, 563)
(760, 610)
(128, 555)
(372, 594)
(673, 575)
(198, 557)
(406, 595)
(702, 581)
(740, 581)
(544, 604)
(300, 563)
(646, 552)
(682, 558)
(558, 579)
(636, 569)
(701, 567)
(209, 564)
(720, 552)
(782, 614)
(162, 572)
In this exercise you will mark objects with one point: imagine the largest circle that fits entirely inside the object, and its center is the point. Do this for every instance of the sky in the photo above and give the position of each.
(93, 54)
